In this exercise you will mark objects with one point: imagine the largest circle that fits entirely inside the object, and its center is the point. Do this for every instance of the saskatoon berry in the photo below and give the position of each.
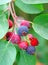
(23, 45)
(9, 35)
(14, 38)
(34, 42)
(22, 30)
(10, 23)
(30, 50)
(30, 36)
(25, 23)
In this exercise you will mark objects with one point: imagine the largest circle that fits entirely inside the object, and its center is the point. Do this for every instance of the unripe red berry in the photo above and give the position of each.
(34, 42)
(23, 45)
(10, 23)
(16, 39)
(30, 36)
(25, 23)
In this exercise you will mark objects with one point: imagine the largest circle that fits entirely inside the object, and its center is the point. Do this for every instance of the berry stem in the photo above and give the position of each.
(24, 38)
(10, 38)
(14, 10)
(31, 22)
(13, 15)
(28, 39)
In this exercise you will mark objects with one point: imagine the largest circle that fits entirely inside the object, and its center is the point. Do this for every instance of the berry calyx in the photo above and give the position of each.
(34, 42)
(22, 31)
(30, 36)
(10, 23)
(25, 23)
(23, 45)
(30, 50)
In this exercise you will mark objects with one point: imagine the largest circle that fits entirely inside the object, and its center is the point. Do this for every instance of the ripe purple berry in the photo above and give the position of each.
(30, 50)
(25, 23)
(22, 30)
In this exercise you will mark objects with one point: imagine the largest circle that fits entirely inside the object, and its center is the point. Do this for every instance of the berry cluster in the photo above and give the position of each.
(24, 40)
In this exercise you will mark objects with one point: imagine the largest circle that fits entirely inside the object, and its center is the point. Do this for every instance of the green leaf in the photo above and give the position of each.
(35, 1)
(18, 54)
(43, 57)
(29, 8)
(3, 8)
(7, 53)
(40, 25)
(4, 1)
(3, 25)
(42, 54)
(26, 59)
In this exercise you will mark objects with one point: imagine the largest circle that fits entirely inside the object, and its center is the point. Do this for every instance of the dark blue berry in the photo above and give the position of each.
(30, 50)
(22, 30)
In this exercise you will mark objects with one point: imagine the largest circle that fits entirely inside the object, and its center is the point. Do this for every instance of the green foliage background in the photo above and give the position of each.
(29, 11)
